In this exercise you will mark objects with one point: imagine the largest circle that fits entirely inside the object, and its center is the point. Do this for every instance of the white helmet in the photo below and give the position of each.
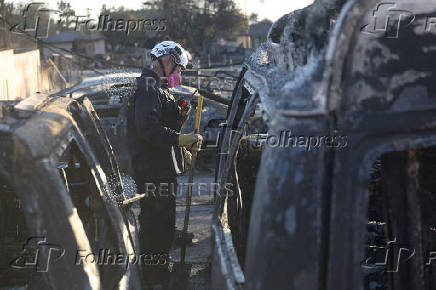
(181, 56)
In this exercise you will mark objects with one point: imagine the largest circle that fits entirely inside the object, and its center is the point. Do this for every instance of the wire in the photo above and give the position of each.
(222, 65)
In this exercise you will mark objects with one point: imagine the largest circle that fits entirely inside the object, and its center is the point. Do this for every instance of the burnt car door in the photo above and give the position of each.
(65, 200)
(230, 218)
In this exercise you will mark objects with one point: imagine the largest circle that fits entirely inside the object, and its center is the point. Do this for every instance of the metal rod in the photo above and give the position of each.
(191, 179)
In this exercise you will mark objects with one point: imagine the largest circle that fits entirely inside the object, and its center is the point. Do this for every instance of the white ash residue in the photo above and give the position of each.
(290, 60)
(130, 188)
(119, 83)
(120, 188)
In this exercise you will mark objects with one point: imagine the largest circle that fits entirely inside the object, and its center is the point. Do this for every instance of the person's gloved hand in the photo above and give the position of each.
(191, 141)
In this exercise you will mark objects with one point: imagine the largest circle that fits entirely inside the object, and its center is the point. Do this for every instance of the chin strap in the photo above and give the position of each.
(162, 66)
(174, 68)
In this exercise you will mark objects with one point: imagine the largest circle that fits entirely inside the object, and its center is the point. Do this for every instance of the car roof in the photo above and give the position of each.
(38, 129)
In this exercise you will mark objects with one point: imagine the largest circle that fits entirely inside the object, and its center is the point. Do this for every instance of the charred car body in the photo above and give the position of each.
(325, 218)
(60, 201)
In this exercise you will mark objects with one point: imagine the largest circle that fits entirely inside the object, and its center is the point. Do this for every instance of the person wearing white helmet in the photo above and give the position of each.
(156, 148)
(181, 56)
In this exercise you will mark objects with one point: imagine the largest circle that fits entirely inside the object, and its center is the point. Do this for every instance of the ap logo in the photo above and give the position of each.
(36, 19)
(387, 20)
(38, 254)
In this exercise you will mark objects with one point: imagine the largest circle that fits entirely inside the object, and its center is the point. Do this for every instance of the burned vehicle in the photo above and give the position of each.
(355, 208)
(62, 222)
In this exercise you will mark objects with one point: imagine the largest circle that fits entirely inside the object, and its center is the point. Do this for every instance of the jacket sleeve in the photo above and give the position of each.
(148, 116)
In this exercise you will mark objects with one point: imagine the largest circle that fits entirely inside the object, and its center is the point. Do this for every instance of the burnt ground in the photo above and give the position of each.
(200, 224)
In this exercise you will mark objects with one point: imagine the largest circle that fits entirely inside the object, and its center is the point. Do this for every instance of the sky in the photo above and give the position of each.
(271, 9)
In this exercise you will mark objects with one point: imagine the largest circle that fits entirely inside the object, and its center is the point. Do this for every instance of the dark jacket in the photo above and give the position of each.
(152, 135)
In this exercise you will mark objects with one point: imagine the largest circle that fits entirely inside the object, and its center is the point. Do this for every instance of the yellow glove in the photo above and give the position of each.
(191, 141)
